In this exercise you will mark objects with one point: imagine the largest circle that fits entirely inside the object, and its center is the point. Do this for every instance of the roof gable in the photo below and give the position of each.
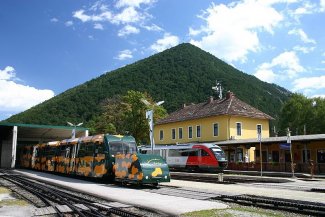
(230, 105)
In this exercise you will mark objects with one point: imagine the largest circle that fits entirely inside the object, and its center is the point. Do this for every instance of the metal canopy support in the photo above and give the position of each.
(14, 145)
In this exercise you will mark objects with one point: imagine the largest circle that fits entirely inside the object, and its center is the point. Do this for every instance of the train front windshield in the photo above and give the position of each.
(219, 153)
(122, 147)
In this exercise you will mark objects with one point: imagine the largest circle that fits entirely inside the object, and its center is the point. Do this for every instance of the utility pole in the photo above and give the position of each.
(218, 89)
(291, 155)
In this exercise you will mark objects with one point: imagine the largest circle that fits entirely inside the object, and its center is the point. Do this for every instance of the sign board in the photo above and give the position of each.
(285, 146)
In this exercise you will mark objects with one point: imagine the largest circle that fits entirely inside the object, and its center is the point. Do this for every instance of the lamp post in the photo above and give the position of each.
(259, 137)
(149, 116)
(289, 142)
(73, 135)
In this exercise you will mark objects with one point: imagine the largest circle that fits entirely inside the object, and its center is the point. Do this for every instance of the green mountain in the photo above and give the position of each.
(182, 74)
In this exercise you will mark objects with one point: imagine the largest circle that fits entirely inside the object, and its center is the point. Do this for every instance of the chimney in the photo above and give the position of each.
(229, 95)
(210, 99)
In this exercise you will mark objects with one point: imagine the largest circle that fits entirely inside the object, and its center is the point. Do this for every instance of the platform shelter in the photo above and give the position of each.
(16, 134)
(307, 151)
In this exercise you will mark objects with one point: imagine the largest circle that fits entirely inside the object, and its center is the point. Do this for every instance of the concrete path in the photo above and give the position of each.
(170, 205)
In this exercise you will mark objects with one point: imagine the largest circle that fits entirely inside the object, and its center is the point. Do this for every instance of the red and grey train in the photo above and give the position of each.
(193, 156)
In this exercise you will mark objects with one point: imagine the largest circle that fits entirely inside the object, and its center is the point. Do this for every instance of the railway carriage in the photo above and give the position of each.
(99, 156)
(193, 156)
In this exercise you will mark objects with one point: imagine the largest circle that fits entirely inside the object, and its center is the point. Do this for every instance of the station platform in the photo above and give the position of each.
(170, 205)
(273, 174)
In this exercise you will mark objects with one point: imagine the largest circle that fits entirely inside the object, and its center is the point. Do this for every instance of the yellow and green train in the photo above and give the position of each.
(99, 156)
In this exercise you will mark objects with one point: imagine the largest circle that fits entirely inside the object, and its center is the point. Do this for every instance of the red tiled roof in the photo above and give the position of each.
(230, 105)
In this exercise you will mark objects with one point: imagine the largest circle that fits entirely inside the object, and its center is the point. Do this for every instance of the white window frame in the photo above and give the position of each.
(241, 129)
(188, 132)
(172, 133)
(200, 131)
(213, 129)
(161, 132)
(180, 128)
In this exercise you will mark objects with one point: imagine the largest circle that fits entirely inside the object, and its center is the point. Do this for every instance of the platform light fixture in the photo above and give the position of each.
(149, 116)
(73, 135)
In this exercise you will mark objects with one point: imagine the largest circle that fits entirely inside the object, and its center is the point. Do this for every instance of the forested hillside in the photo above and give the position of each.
(182, 74)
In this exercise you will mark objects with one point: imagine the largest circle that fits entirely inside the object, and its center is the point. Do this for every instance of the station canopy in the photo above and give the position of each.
(33, 132)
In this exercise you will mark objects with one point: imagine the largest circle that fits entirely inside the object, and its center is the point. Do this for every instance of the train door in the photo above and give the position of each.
(163, 153)
(99, 167)
(72, 159)
(85, 159)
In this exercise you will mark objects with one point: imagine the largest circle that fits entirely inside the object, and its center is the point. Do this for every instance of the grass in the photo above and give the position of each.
(11, 202)
(234, 211)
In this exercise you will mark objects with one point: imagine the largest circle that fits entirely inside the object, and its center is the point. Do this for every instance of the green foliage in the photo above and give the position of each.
(183, 74)
(126, 114)
(300, 111)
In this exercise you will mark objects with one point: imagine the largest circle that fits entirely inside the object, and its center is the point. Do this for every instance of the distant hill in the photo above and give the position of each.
(182, 74)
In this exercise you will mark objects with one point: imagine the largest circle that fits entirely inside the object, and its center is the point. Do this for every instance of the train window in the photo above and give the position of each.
(89, 149)
(174, 153)
(99, 148)
(122, 148)
(193, 153)
(219, 153)
(204, 153)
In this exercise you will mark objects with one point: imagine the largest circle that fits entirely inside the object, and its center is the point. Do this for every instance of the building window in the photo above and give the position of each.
(198, 131)
(321, 156)
(180, 133)
(238, 127)
(275, 156)
(161, 134)
(216, 129)
(190, 132)
(259, 129)
(173, 133)
(304, 160)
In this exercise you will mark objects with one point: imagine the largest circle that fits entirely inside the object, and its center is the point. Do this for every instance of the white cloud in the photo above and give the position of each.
(309, 83)
(153, 27)
(98, 26)
(17, 97)
(103, 16)
(303, 49)
(128, 15)
(128, 29)
(54, 20)
(322, 5)
(303, 36)
(124, 54)
(166, 42)
(69, 23)
(7, 73)
(133, 3)
(266, 75)
(287, 64)
(231, 31)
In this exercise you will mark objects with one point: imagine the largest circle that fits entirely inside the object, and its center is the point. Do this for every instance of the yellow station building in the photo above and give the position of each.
(215, 120)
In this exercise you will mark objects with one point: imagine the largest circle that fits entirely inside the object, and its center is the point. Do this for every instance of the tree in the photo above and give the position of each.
(300, 112)
(126, 114)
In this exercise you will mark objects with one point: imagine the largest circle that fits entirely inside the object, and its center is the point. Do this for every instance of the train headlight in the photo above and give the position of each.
(147, 177)
(165, 177)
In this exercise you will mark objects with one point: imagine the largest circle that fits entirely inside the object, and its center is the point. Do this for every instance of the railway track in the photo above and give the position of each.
(61, 202)
(295, 206)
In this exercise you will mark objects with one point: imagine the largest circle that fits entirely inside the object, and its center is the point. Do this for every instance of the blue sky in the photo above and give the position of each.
(48, 46)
